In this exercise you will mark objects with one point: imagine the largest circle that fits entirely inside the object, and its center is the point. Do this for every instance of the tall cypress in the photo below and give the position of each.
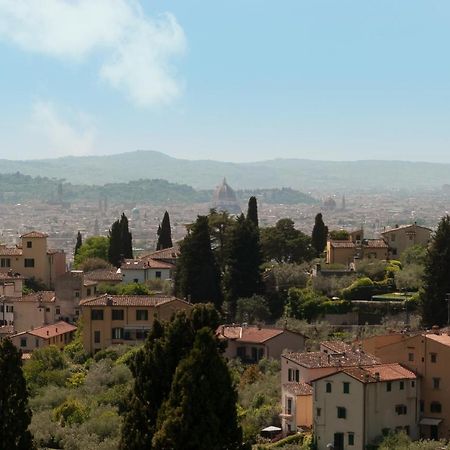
(243, 260)
(197, 276)
(319, 234)
(126, 238)
(436, 277)
(252, 212)
(15, 416)
(120, 242)
(200, 412)
(164, 233)
(78, 244)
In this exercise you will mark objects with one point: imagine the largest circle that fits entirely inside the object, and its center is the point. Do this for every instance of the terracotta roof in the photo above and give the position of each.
(166, 253)
(130, 300)
(248, 334)
(301, 388)
(49, 331)
(10, 251)
(145, 263)
(34, 234)
(403, 227)
(103, 275)
(90, 283)
(342, 244)
(337, 346)
(375, 243)
(53, 251)
(441, 338)
(314, 360)
(44, 296)
(8, 276)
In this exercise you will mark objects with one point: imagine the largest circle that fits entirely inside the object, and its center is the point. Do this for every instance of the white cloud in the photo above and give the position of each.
(135, 50)
(60, 137)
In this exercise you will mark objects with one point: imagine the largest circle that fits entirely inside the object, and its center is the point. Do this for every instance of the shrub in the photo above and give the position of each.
(253, 309)
(70, 412)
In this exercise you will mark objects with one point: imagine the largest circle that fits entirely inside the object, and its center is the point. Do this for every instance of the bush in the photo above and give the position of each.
(304, 304)
(70, 412)
(252, 310)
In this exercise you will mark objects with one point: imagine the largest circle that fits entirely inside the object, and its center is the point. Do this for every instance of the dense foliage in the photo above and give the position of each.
(120, 242)
(319, 234)
(92, 247)
(164, 233)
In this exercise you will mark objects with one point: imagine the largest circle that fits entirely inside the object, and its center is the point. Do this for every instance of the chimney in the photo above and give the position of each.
(366, 378)
(435, 329)
(377, 376)
(258, 326)
(56, 329)
(48, 333)
(109, 300)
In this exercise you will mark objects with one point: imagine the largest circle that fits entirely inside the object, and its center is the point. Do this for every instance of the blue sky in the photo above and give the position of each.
(239, 80)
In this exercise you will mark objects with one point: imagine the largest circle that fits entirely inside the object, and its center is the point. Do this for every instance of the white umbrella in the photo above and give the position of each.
(271, 428)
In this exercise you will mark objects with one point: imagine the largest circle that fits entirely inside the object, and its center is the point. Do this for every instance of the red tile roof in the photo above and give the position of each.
(34, 234)
(103, 275)
(300, 388)
(403, 227)
(10, 251)
(144, 263)
(342, 244)
(248, 334)
(441, 338)
(44, 296)
(49, 331)
(166, 253)
(375, 243)
(130, 300)
(8, 276)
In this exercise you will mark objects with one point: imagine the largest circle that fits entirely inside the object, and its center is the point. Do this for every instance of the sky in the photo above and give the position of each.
(235, 80)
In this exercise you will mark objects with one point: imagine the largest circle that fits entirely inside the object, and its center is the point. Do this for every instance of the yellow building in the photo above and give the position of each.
(403, 237)
(124, 319)
(33, 259)
(427, 355)
(59, 334)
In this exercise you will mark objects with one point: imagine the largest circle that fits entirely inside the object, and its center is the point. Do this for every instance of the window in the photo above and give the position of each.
(36, 342)
(290, 377)
(433, 357)
(141, 314)
(57, 310)
(436, 383)
(328, 387)
(135, 280)
(318, 412)
(77, 294)
(97, 314)
(297, 375)
(400, 409)
(23, 342)
(422, 406)
(28, 262)
(157, 274)
(413, 384)
(394, 252)
(288, 405)
(351, 439)
(392, 237)
(388, 386)
(410, 356)
(97, 336)
(346, 387)
(141, 334)
(117, 333)
(117, 314)
(88, 291)
(435, 407)
(341, 412)
(402, 385)
(29, 244)
(5, 262)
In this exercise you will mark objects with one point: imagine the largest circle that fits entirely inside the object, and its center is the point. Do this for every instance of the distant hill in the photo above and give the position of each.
(16, 187)
(304, 175)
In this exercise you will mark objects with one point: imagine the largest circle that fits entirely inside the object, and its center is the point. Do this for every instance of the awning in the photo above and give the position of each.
(430, 421)
(272, 428)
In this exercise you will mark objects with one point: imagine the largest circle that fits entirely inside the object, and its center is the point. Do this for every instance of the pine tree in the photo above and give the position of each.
(436, 277)
(15, 416)
(78, 244)
(197, 276)
(243, 260)
(252, 212)
(200, 412)
(153, 369)
(319, 235)
(164, 233)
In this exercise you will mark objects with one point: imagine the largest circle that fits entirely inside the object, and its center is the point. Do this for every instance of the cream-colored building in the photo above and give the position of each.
(355, 406)
(124, 319)
(59, 334)
(301, 368)
(33, 259)
(252, 343)
(402, 237)
(428, 355)
(35, 310)
(10, 289)
(145, 269)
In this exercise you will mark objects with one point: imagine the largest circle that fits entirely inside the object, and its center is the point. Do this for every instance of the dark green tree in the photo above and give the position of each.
(219, 224)
(197, 276)
(120, 242)
(284, 244)
(200, 412)
(319, 235)
(436, 277)
(252, 212)
(164, 233)
(243, 262)
(93, 247)
(78, 244)
(153, 369)
(15, 416)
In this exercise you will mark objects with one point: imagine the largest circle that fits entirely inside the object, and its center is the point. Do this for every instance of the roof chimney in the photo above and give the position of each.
(109, 300)
(56, 329)
(435, 329)
(48, 333)
(377, 376)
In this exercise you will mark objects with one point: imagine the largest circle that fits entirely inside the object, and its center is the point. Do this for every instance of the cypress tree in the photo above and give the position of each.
(197, 276)
(15, 416)
(200, 412)
(126, 238)
(78, 244)
(120, 242)
(436, 277)
(153, 369)
(164, 233)
(252, 212)
(319, 234)
(243, 260)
